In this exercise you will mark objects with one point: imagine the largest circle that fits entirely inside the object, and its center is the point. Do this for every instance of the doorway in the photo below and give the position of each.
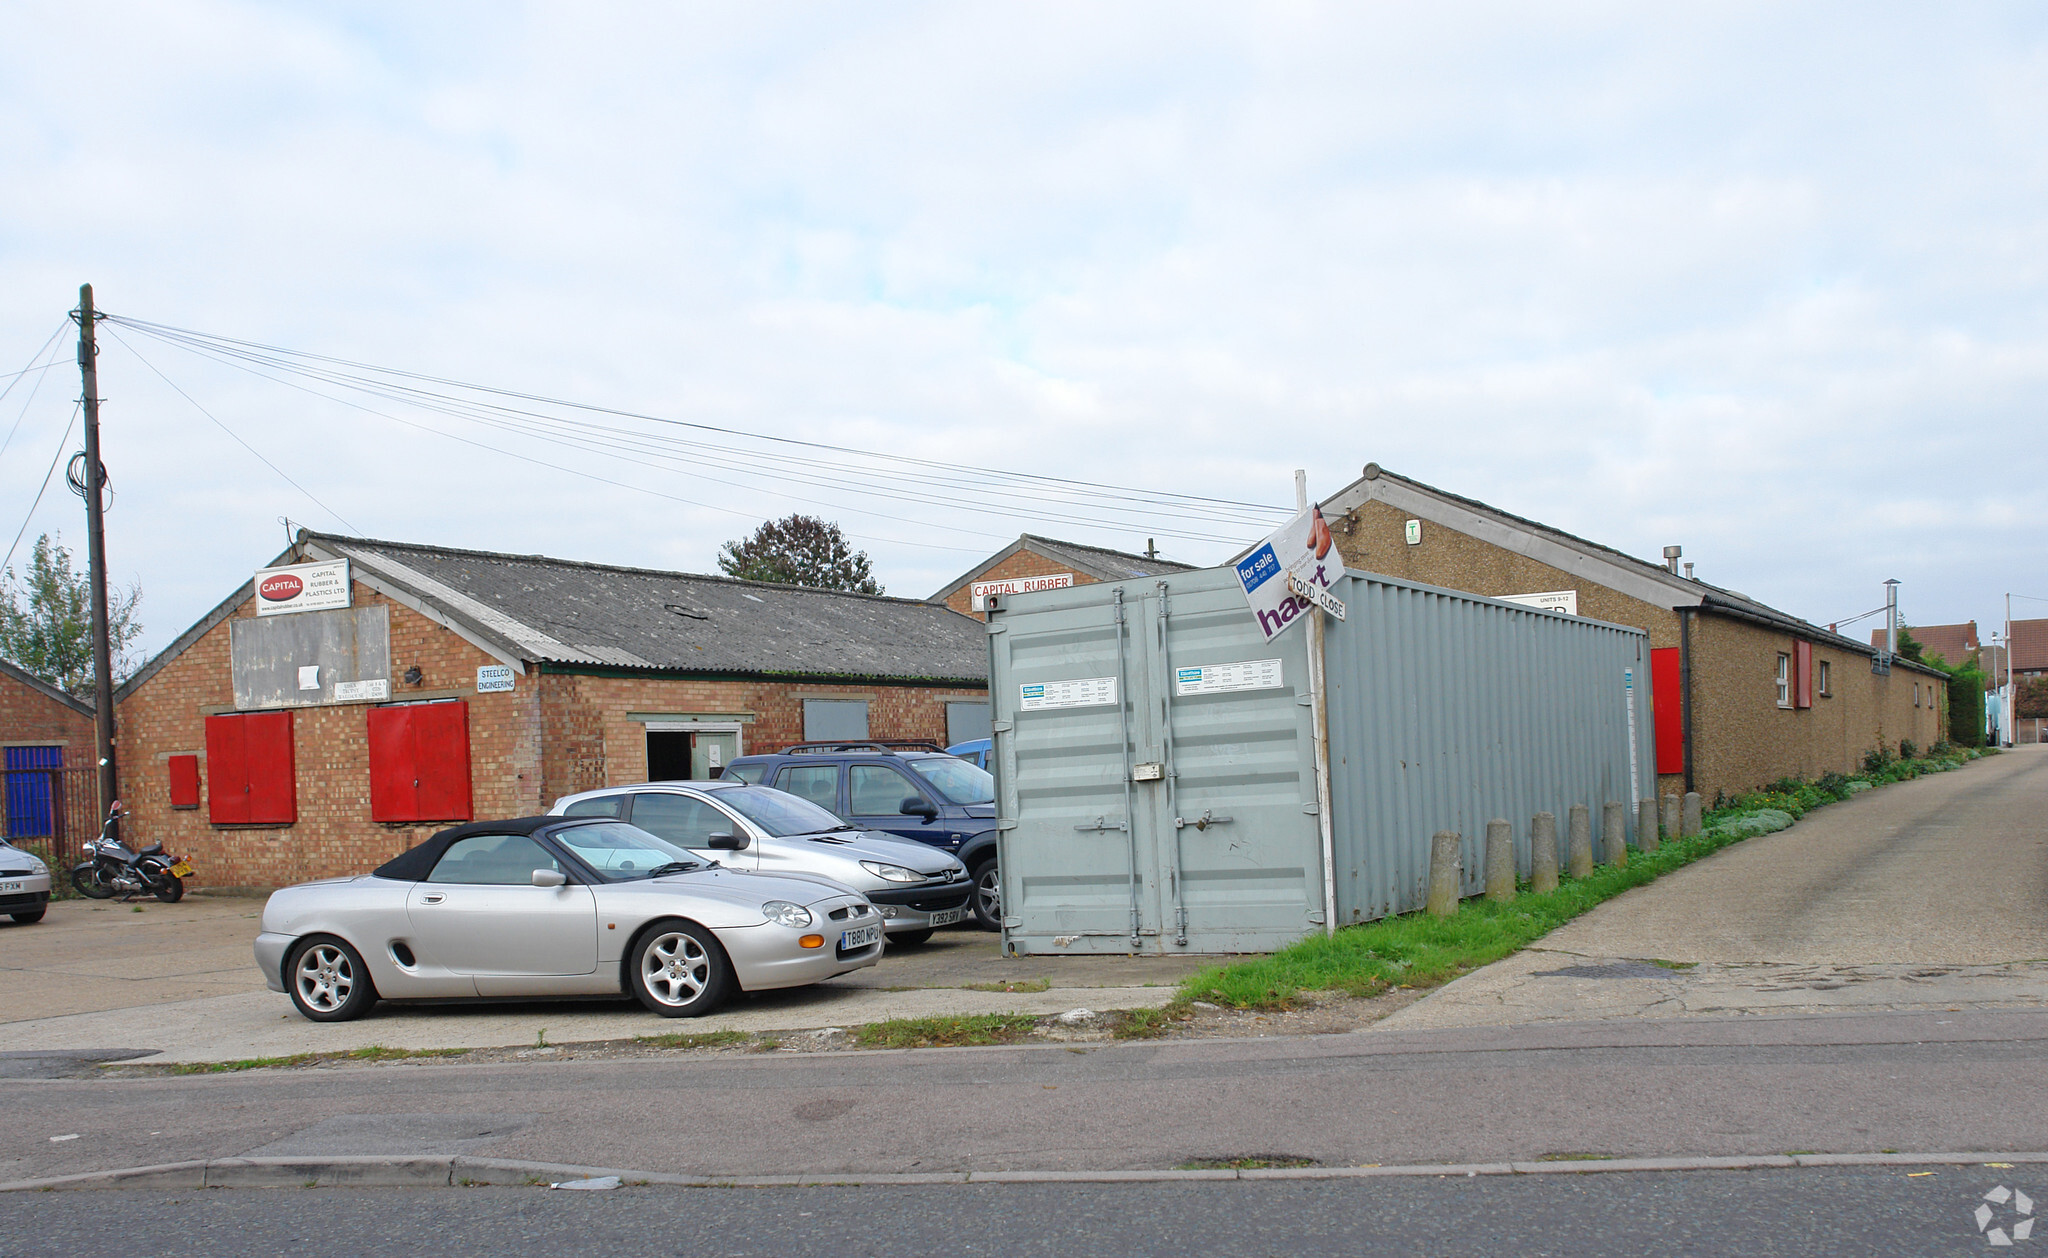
(689, 755)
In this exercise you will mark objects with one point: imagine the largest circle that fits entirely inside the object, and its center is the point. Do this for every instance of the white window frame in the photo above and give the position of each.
(1784, 680)
(1821, 678)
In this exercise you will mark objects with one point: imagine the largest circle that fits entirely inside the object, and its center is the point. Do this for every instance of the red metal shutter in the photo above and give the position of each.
(1667, 709)
(273, 786)
(184, 781)
(1802, 674)
(441, 761)
(394, 795)
(227, 771)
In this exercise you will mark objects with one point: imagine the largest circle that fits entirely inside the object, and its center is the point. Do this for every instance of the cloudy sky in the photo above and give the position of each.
(1764, 280)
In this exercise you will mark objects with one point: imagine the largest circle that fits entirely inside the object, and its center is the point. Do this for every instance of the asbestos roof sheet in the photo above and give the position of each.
(556, 611)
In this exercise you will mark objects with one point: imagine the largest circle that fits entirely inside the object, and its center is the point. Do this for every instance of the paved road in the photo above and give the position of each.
(1847, 1084)
(1930, 894)
(1858, 1212)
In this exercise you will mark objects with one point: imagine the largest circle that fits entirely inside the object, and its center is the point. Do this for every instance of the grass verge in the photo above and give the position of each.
(375, 1052)
(1251, 1162)
(695, 1039)
(1021, 985)
(946, 1032)
(1417, 950)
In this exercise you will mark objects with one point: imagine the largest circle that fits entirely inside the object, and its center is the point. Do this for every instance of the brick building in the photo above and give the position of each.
(46, 740)
(1743, 693)
(437, 685)
(1955, 644)
(1033, 562)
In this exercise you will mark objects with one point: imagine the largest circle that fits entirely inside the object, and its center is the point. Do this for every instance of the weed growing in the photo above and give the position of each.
(696, 1039)
(946, 1032)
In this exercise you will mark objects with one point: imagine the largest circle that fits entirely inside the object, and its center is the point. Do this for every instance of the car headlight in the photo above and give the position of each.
(894, 873)
(783, 913)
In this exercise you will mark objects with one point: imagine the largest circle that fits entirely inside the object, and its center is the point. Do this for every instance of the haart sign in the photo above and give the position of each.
(1302, 553)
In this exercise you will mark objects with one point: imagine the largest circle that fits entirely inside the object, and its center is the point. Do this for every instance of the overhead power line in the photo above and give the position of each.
(55, 459)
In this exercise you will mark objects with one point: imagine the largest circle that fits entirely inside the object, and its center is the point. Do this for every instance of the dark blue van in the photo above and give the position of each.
(913, 790)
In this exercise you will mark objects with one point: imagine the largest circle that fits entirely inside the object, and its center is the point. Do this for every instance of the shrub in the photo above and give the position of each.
(1907, 749)
(1878, 759)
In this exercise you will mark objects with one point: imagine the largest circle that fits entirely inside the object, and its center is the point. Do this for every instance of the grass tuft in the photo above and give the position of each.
(375, 1052)
(946, 1032)
(1250, 1162)
(1144, 1024)
(695, 1039)
(1019, 985)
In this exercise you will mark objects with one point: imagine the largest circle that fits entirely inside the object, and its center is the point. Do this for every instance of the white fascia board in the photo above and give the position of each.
(366, 569)
(1509, 536)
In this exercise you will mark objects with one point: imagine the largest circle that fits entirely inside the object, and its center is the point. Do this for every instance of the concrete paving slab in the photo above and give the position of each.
(264, 1024)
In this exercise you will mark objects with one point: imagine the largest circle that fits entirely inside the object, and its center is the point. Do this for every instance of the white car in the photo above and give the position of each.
(558, 906)
(918, 888)
(24, 884)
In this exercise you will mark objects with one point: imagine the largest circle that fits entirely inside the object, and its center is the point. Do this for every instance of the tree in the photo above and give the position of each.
(1909, 646)
(799, 550)
(46, 620)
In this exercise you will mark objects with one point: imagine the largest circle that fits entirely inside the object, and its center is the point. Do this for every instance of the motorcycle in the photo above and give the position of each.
(111, 868)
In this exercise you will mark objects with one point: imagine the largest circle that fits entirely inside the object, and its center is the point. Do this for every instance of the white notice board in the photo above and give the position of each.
(1086, 692)
(1209, 679)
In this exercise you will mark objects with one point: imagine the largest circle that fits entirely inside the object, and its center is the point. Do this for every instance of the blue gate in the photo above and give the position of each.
(29, 797)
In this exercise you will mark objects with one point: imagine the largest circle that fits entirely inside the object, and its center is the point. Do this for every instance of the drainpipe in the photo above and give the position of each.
(1685, 615)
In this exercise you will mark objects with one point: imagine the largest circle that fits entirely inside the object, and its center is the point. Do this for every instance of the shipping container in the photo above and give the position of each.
(1155, 755)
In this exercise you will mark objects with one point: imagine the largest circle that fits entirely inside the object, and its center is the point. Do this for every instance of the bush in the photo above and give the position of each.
(1907, 749)
(1878, 759)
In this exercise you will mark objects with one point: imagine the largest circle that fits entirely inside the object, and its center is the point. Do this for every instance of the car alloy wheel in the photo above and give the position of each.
(988, 897)
(329, 982)
(679, 971)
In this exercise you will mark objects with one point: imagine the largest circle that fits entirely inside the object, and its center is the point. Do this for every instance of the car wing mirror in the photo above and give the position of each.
(725, 842)
(549, 878)
(916, 807)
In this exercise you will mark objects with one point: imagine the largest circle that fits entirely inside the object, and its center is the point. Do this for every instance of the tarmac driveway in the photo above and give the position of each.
(1930, 894)
(180, 979)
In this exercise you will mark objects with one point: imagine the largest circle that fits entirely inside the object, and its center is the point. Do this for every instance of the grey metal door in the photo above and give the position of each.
(1155, 772)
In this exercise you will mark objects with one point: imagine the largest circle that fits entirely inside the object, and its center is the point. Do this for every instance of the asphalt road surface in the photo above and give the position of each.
(1814, 1211)
(1841, 1084)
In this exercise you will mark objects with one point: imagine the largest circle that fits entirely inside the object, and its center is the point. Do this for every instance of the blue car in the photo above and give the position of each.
(975, 751)
(911, 790)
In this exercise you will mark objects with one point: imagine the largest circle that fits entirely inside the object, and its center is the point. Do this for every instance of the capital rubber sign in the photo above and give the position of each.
(1290, 572)
(302, 587)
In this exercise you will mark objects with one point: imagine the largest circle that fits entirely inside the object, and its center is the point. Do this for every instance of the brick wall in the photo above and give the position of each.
(552, 735)
(27, 715)
(334, 835)
(593, 740)
(1024, 563)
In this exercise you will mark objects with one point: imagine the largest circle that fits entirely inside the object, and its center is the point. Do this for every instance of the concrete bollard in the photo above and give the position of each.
(1690, 823)
(1614, 833)
(1543, 853)
(1446, 872)
(1579, 842)
(1646, 824)
(1671, 817)
(1500, 860)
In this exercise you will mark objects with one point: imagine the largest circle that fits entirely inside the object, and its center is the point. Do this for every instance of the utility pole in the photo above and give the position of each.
(96, 552)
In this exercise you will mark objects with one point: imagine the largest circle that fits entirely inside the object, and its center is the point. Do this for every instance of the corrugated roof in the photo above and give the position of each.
(556, 611)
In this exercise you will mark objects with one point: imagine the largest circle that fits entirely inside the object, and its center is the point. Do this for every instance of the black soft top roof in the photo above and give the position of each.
(414, 864)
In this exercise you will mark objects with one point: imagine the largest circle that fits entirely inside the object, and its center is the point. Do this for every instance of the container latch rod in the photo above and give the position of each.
(1203, 822)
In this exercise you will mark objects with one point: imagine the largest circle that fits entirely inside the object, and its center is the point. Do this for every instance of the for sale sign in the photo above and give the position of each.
(1301, 554)
(302, 587)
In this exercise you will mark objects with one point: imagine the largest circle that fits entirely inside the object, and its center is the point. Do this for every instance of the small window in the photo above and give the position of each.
(879, 791)
(492, 860)
(1916, 694)
(681, 819)
(750, 773)
(818, 783)
(1825, 688)
(184, 771)
(602, 806)
(419, 762)
(1784, 680)
(249, 777)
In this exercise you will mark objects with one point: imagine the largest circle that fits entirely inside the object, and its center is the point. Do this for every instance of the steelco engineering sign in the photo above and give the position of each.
(302, 587)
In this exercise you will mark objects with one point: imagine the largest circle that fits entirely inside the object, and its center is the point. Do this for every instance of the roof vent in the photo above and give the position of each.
(1671, 554)
(1372, 471)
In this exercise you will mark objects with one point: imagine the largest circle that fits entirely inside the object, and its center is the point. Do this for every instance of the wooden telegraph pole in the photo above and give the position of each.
(96, 552)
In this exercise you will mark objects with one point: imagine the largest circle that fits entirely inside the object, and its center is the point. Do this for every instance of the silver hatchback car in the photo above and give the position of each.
(24, 884)
(917, 887)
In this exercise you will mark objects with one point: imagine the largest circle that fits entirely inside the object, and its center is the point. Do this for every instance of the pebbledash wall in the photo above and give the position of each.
(553, 734)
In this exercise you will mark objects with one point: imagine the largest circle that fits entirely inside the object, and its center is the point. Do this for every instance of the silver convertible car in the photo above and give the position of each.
(558, 906)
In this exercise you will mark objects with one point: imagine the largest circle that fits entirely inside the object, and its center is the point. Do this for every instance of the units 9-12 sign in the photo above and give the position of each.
(302, 587)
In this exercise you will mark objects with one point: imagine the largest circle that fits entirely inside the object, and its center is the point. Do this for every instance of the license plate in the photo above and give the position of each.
(946, 917)
(181, 870)
(859, 937)
(11, 886)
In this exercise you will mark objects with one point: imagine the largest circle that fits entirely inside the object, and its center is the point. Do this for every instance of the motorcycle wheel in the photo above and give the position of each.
(170, 890)
(87, 879)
